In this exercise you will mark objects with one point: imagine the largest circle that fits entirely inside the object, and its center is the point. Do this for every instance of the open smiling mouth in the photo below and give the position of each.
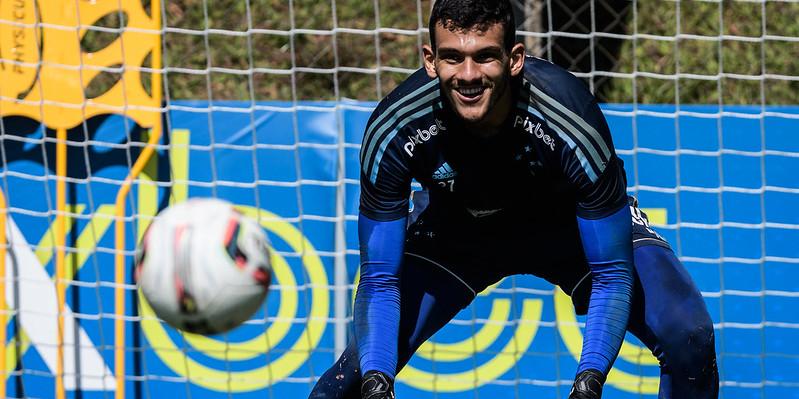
(470, 94)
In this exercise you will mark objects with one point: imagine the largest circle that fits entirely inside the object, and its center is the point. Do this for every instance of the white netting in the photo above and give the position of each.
(264, 102)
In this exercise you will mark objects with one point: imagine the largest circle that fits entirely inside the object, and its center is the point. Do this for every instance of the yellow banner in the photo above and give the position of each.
(45, 72)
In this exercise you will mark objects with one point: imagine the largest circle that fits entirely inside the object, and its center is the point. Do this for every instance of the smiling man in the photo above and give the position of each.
(520, 177)
(475, 67)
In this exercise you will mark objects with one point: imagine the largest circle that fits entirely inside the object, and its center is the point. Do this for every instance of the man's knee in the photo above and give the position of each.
(691, 350)
(690, 363)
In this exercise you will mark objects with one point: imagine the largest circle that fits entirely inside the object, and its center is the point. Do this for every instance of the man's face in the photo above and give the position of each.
(474, 69)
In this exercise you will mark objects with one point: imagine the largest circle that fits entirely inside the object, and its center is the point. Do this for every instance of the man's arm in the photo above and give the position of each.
(377, 304)
(607, 243)
(385, 187)
(605, 226)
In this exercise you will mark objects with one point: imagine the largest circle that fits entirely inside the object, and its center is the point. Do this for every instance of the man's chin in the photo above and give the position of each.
(471, 116)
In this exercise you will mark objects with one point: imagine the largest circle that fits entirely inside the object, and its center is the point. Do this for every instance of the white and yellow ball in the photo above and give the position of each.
(203, 267)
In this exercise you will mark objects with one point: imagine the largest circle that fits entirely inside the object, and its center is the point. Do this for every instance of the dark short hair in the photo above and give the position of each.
(461, 15)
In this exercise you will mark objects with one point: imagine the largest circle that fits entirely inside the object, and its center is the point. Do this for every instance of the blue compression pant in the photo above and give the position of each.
(665, 304)
(670, 317)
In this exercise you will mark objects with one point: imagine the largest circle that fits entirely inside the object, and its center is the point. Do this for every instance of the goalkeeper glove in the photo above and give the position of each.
(587, 385)
(377, 385)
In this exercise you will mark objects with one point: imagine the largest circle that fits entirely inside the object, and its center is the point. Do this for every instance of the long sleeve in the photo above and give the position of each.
(608, 247)
(377, 303)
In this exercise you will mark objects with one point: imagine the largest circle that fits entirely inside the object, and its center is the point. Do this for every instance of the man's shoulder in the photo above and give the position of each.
(548, 81)
(417, 92)
(413, 102)
(404, 118)
(569, 109)
(412, 83)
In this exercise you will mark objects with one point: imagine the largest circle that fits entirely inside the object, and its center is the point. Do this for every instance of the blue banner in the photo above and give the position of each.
(719, 184)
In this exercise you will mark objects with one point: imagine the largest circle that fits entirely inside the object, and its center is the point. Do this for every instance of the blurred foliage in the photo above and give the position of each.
(677, 52)
(245, 50)
(727, 52)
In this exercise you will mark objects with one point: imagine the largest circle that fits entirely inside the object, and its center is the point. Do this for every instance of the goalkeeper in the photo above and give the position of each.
(520, 177)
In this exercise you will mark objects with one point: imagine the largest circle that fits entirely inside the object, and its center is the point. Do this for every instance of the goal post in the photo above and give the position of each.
(112, 110)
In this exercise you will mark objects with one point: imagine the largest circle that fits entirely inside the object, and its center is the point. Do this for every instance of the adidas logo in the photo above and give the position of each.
(444, 172)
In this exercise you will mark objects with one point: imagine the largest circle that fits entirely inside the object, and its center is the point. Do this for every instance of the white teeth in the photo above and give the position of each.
(470, 91)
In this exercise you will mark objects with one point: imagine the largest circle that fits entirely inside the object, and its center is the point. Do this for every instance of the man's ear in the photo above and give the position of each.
(516, 59)
(429, 61)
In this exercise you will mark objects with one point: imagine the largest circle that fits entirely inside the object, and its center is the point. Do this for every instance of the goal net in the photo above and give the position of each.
(111, 110)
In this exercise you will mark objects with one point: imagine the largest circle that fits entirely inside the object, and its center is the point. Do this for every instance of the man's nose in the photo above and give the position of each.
(470, 71)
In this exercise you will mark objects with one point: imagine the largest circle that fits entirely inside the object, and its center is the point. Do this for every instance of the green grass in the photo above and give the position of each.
(709, 68)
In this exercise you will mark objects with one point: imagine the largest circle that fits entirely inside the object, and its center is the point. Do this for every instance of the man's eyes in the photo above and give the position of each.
(452, 58)
(479, 58)
(487, 57)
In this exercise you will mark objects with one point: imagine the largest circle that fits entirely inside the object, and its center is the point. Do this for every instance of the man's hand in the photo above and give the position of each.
(587, 385)
(377, 385)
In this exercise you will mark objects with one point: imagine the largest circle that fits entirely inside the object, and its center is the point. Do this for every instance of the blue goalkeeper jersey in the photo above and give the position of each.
(551, 163)
(553, 157)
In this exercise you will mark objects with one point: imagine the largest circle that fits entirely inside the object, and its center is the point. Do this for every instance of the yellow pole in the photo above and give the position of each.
(119, 223)
(119, 293)
(3, 318)
(119, 260)
(60, 243)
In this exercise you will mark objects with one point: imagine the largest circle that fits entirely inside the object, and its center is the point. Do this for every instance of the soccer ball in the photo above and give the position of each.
(204, 267)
